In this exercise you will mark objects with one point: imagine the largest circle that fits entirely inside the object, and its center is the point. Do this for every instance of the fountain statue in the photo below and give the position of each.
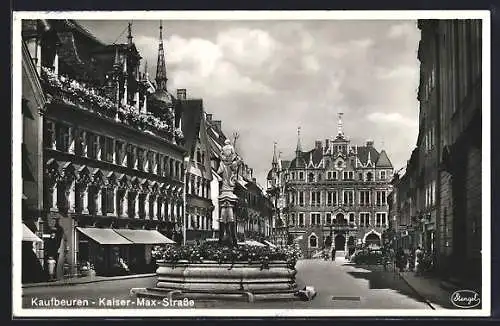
(228, 169)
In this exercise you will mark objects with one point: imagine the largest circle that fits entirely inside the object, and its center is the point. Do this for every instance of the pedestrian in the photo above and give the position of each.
(333, 253)
(418, 260)
(51, 263)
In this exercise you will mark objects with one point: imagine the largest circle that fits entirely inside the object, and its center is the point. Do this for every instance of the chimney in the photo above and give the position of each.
(318, 144)
(181, 93)
(217, 124)
(254, 180)
(209, 116)
(369, 143)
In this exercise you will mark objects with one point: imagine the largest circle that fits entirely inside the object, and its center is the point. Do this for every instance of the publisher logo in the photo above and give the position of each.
(465, 299)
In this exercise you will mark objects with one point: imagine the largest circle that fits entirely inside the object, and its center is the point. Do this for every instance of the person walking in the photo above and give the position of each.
(51, 264)
(333, 253)
(418, 260)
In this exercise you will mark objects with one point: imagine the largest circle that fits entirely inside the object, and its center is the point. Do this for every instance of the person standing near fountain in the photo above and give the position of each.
(228, 169)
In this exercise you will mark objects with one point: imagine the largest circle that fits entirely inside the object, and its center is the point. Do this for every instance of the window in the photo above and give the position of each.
(119, 152)
(108, 149)
(80, 143)
(348, 197)
(301, 198)
(310, 177)
(381, 198)
(380, 219)
(382, 175)
(360, 176)
(140, 159)
(315, 198)
(351, 218)
(130, 157)
(315, 219)
(313, 241)
(151, 163)
(50, 134)
(369, 176)
(364, 219)
(158, 164)
(348, 175)
(328, 218)
(301, 219)
(62, 138)
(331, 198)
(301, 175)
(364, 197)
(93, 144)
(319, 177)
(292, 219)
(108, 199)
(293, 175)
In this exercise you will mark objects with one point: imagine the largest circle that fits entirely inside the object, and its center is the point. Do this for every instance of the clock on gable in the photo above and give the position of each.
(340, 164)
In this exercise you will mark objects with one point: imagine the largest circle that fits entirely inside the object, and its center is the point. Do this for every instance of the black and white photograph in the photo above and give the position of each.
(332, 163)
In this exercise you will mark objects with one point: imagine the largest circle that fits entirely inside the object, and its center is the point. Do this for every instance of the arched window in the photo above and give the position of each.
(313, 241)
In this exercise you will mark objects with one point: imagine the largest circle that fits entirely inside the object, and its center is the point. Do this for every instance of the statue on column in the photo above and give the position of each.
(228, 169)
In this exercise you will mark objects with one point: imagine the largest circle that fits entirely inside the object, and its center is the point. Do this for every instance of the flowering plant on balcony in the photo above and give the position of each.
(221, 254)
(80, 94)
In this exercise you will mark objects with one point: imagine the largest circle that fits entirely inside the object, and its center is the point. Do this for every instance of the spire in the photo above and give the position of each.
(299, 146)
(117, 57)
(146, 73)
(161, 70)
(129, 37)
(275, 159)
(340, 131)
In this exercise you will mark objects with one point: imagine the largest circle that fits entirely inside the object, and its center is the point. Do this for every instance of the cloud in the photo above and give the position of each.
(195, 63)
(398, 72)
(246, 46)
(401, 30)
(363, 43)
(392, 118)
(310, 63)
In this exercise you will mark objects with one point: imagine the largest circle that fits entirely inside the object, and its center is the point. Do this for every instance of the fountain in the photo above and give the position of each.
(226, 270)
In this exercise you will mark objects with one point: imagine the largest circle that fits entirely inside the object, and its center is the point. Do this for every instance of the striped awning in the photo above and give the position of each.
(144, 236)
(104, 236)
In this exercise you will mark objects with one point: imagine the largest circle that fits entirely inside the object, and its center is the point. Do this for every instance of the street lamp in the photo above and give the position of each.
(184, 214)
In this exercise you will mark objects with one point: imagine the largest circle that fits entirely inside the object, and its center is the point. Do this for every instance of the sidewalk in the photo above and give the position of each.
(86, 280)
(431, 289)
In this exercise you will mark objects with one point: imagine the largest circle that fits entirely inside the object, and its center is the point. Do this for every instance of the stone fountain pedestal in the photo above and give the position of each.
(211, 280)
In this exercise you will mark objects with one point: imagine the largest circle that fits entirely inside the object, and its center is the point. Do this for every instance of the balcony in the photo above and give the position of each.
(88, 98)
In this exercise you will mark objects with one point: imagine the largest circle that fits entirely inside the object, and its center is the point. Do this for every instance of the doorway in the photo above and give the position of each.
(340, 242)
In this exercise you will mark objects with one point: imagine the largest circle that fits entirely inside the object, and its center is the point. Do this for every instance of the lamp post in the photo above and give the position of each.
(184, 200)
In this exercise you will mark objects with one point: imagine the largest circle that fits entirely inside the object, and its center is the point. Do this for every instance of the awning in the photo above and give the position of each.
(270, 244)
(252, 243)
(144, 236)
(28, 235)
(104, 236)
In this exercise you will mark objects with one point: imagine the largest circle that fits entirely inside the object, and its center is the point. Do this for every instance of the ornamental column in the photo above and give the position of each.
(124, 203)
(70, 196)
(147, 206)
(54, 207)
(115, 196)
(160, 208)
(72, 132)
(98, 203)
(85, 197)
(155, 207)
(136, 204)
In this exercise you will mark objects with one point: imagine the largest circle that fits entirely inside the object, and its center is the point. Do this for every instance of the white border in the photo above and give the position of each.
(18, 311)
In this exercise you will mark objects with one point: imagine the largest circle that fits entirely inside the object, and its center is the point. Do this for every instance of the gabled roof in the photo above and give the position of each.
(383, 161)
(363, 154)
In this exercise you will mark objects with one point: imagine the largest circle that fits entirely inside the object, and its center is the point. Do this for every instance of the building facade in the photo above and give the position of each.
(443, 176)
(33, 102)
(336, 195)
(108, 163)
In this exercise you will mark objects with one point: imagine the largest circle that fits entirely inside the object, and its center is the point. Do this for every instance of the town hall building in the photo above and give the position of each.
(335, 195)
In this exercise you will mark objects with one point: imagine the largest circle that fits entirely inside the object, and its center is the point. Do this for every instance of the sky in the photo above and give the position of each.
(264, 79)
